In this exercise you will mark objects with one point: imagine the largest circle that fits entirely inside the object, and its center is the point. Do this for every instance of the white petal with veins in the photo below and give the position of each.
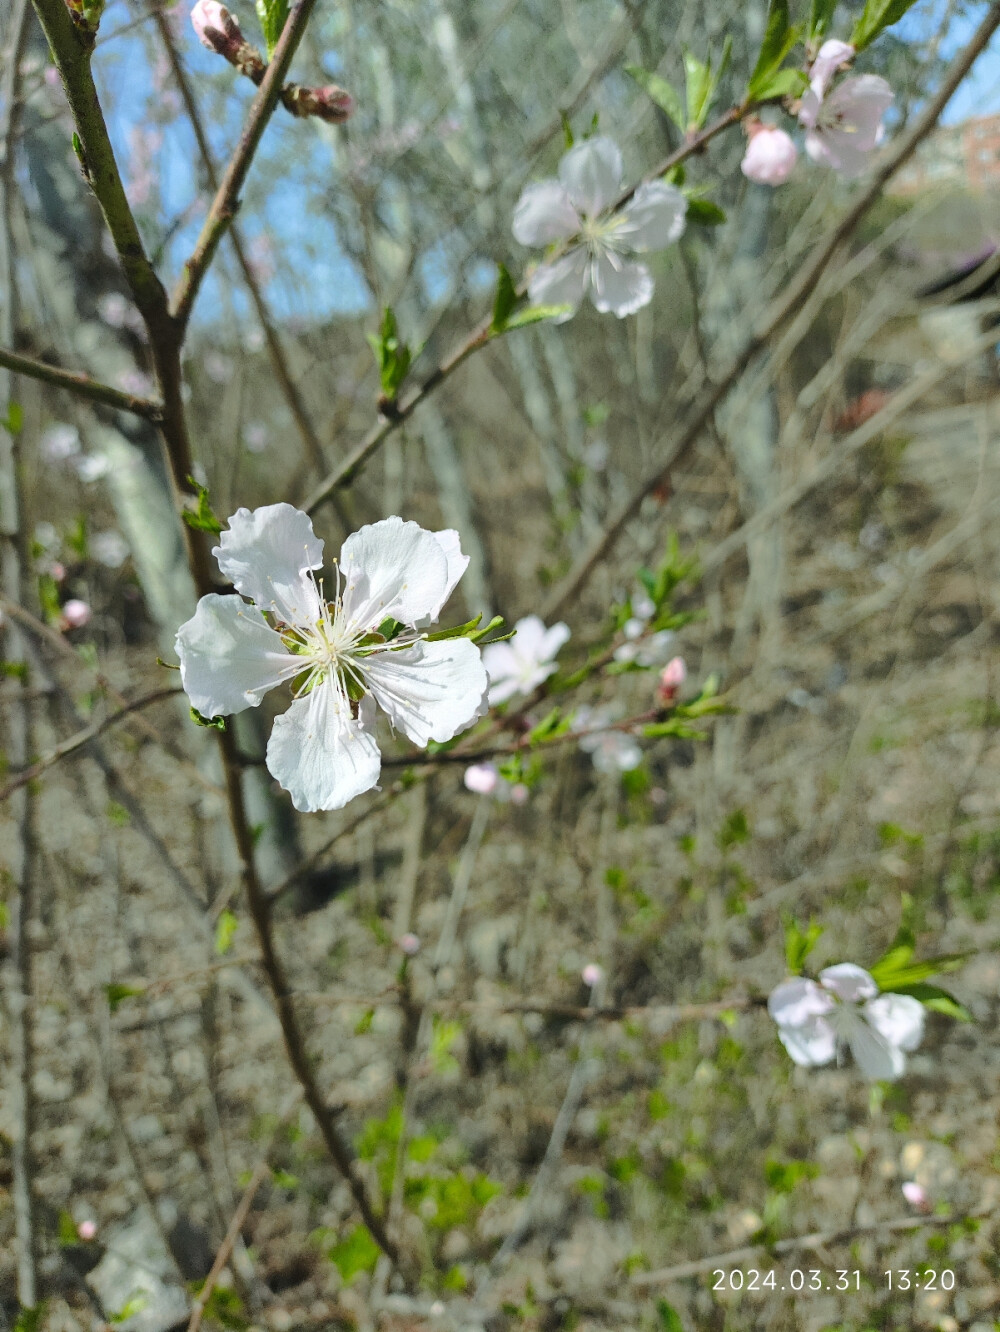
(429, 691)
(230, 656)
(392, 568)
(320, 754)
(544, 214)
(266, 554)
(591, 173)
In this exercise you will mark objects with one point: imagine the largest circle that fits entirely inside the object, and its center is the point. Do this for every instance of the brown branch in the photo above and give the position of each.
(80, 384)
(226, 200)
(81, 739)
(261, 1173)
(800, 288)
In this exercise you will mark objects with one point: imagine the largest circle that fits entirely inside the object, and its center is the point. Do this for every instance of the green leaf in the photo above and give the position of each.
(704, 213)
(117, 994)
(551, 725)
(876, 17)
(67, 1230)
(567, 129)
(202, 518)
(392, 356)
(698, 87)
(272, 15)
(783, 83)
(664, 94)
(356, 1254)
(506, 302)
(496, 623)
(215, 723)
(779, 38)
(14, 421)
(135, 1303)
(30, 1319)
(667, 1317)
(225, 932)
(932, 996)
(458, 631)
(799, 943)
(820, 18)
(534, 314)
(894, 972)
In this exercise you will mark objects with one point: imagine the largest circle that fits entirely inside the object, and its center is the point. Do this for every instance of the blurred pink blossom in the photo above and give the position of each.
(592, 974)
(770, 156)
(408, 944)
(75, 614)
(87, 1230)
(916, 1196)
(482, 778)
(672, 678)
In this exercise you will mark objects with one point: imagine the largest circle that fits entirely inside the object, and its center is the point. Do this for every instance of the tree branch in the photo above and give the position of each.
(226, 200)
(81, 384)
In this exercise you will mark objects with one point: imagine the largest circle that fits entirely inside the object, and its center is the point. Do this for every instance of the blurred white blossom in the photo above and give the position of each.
(578, 207)
(526, 661)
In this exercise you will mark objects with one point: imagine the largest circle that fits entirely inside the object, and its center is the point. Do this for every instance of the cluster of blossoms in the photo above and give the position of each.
(845, 1008)
(367, 645)
(842, 126)
(577, 214)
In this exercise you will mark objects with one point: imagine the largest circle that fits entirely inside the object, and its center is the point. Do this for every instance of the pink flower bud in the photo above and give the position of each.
(331, 104)
(75, 614)
(482, 778)
(408, 945)
(86, 1230)
(916, 1196)
(832, 55)
(672, 677)
(58, 571)
(519, 794)
(592, 974)
(770, 156)
(219, 30)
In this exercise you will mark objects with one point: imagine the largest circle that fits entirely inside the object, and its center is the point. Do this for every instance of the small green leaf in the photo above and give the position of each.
(779, 38)
(117, 994)
(667, 1317)
(663, 93)
(783, 83)
(225, 932)
(876, 17)
(458, 631)
(14, 421)
(704, 213)
(698, 84)
(215, 723)
(535, 314)
(30, 1320)
(392, 356)
(893, 973)
(67, 1230)
(356, 1254)
(799, 943)
(506, 302)
(551, 725)
(820, 18)
(202, 519)
(272, 15)
(133, 1305)
(567, 129)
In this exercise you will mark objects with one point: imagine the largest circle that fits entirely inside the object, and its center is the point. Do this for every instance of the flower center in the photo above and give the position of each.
(597, 233)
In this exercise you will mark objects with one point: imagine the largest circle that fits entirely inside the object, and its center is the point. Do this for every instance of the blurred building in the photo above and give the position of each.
(967, 154)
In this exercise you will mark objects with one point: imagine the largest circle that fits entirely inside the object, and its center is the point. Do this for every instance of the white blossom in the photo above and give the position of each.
(526, 661)
(578, 208)
(845, 1008)
(770, 156)
(612, 751)
(232, 651)
(843, 126)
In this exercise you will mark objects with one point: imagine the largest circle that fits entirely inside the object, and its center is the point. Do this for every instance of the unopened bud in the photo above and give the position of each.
(408, 945)
(219, 30)
(482, 778)
(672, 677)
(75, 614)
(86, 1230)
(592, 974)
(916, 1196)
(331, 103)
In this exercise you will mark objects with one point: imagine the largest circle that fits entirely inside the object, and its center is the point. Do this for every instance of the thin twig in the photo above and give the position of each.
(81, 739)
(82, 385)
(226, 200)
(261, 1173)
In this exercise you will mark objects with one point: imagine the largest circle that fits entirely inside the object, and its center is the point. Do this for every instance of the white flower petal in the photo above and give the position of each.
(429, 691)
(561, 283)
(552, 640)
(654, 218)
(230, 656)
(809, 108)
(451, 545)
(830, 57)
(591, 173)
(266, 553)
(811, 1044)
(392, 568)
(619, 286)
(848, 982)
(877, 1058)
(544, 214)
(897, 1017)
(320, 754)
(797, 1001)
